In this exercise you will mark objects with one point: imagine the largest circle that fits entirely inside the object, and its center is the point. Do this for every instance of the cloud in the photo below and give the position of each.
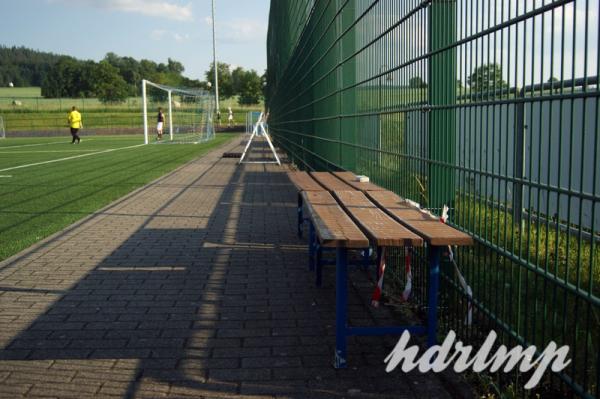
(239, 30)
(180, 37)
(160, 34)
(151, 8)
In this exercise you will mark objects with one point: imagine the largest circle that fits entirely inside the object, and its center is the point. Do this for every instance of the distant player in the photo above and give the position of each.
(230, 117)
(160, 122)
(74, 120)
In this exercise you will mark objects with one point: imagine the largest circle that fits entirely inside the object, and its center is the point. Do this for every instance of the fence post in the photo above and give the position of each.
(348, 125)
(442, 97)
(338, 79)
(519, 165)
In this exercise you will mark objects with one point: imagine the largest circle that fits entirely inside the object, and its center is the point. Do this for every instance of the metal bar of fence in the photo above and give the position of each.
(506, 178)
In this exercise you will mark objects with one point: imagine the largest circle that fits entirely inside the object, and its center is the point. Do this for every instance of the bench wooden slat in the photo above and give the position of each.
(380, 227)
(333, 226)
(435, 232)
(330, 182)
(350, 179)
(304, 182)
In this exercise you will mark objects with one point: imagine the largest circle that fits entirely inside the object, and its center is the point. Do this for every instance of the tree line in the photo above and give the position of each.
(23, 66)
(115, 78)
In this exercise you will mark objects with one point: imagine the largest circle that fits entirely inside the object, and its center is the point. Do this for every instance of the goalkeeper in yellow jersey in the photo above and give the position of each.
(75, 123)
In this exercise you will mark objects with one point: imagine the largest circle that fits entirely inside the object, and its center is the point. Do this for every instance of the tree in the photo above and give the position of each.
(225, 81)
(417, 83)
(237, 78)
(486, 78)
(250, 88)
(109, 86)
(60, 81)
(175, 66)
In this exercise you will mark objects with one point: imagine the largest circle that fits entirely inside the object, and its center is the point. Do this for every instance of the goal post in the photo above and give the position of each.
(188, 113)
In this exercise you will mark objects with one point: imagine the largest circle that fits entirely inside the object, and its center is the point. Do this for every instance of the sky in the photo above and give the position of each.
(150, 29)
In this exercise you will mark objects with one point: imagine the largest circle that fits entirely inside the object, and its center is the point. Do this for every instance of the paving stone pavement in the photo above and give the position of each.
(192, 286)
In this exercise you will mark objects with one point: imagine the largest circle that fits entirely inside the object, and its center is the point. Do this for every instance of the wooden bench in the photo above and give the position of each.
(362, 216)
(330, 182)
(430, 228)
(380, 227)
(333, 226)
(303, 182)
(350, 179)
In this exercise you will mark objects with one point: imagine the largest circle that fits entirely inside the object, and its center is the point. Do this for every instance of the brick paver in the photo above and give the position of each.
(193, 286)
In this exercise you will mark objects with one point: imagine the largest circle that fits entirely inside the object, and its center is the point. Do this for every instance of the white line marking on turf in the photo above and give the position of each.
(42, 151)
(8, 147)
(68, 158)
(5, 176)
(32, 145)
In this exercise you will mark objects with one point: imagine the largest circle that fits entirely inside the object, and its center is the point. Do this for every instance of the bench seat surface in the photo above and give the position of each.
(380, 227)
(333, 226)
(304, 182)
(330, 182)
(435, 232)
(350, 179)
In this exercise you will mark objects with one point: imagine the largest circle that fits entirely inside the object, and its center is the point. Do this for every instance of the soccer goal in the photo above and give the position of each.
(2, 131)
(187, 114)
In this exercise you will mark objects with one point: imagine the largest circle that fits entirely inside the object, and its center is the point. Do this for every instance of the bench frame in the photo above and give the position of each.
(342, 330)
(316, 263)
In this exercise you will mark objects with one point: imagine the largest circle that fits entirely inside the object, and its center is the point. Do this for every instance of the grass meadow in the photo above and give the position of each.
(39, 200)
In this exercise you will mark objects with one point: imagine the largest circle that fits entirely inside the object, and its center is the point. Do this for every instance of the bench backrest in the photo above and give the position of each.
(430, 228)
(379, 227)
(333, 226)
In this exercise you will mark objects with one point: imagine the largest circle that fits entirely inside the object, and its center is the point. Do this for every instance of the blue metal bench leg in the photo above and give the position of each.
(318, 261)
(311, 246)
(300, 216)
(432, 300)
(341, 307)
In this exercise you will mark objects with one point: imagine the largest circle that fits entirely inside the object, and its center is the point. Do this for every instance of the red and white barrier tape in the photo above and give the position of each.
(376, 297)
(461, 278)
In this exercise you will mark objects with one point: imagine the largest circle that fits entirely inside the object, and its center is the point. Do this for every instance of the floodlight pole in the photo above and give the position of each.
(170, 116)
(145, 106)
(215, 62)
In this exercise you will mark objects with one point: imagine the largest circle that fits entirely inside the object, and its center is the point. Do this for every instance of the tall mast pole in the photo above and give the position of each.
(215, 60)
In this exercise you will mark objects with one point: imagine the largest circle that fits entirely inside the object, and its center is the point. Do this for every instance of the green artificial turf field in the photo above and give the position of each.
(38, 200)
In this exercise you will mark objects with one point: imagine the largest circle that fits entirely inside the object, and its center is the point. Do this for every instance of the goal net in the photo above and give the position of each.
(2, 131)
(187, 114)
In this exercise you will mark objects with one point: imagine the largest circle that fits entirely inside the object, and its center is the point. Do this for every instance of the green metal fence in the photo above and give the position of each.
(487, 106)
